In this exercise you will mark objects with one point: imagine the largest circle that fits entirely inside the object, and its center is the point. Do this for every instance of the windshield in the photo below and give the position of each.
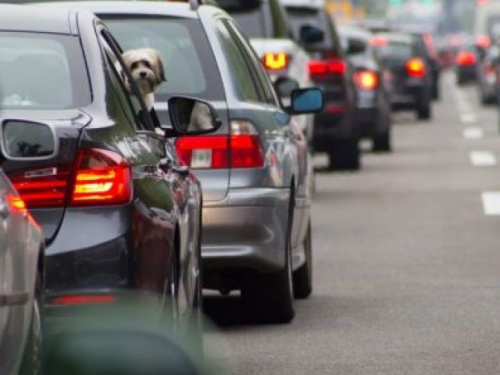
(189, 64)
(42, 71)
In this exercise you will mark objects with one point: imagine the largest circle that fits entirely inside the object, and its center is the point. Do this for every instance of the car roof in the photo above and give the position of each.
(316, 4)
(29, 18)
(396, 37)
(130, 7)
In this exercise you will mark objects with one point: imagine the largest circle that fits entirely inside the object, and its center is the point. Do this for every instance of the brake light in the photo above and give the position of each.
(323, 68)
(366, 80)
(415, 68)
(241, 149)
(276, 61)
(465, 58)
(379, 41)
(44, 187)
(483, 41)
(83, 299)
(102, 178)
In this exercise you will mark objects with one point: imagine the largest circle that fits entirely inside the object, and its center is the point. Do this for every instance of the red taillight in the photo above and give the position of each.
(44, 187)
(483, 41)
(415, 68)
(276, 61)
(242, 149)
(379, 41)
(102, 178)
(465, 58)
(318, 68)
(366, 80)
(83, 300)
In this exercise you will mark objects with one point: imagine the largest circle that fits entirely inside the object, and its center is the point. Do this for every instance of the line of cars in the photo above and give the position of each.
(128, 200)
(121, 195)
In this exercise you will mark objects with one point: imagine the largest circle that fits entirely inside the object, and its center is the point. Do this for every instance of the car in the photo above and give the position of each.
(373, 104)
(487, 75)
(411, 77)
(255, 171)
(118, 210)
(266, 24)
(336, 131)
(21, 295)
(466, 64)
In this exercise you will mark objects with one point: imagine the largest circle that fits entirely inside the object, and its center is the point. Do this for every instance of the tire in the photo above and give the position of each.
(303, 277)
(31, 361)
(345, 157)
(382, 143)
(424, 111)
(269, 298)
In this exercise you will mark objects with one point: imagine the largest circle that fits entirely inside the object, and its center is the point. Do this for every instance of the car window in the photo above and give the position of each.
(189, 63)
(241, 75)
(250, 55)
(253, 22)
(42, 71)
(120, 72)
(394, 51)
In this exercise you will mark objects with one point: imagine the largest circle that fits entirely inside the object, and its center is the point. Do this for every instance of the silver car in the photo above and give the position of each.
(21, 266)
(255, 171)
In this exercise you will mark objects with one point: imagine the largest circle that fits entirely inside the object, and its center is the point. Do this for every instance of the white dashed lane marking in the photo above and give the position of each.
(473, 133)
(468, 118)
(491, 203)
(482, 159)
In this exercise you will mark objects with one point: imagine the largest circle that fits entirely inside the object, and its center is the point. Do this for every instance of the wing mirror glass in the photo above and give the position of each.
(27, 140)
(284, 86)
(305, 101)
(192, 116)
(310, 34)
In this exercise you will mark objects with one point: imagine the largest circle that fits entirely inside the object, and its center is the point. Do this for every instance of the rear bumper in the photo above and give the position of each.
(333, 128)
(245, 231)
(409, 95)
(467, 73)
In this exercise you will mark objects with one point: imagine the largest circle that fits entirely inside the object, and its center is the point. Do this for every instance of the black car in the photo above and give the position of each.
(410, 76)
(373, 103)
(487, 75)
(335, 129)
(466, 63)
(117, 209)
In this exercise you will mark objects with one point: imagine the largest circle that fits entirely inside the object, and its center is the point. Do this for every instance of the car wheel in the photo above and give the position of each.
(268, 298)
(345, 156)
(436, 94)
(382, 143)
(302, 278)
(424, 111)
(31, 360)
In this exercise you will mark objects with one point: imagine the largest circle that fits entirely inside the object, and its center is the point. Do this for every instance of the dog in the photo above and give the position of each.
(148, 71)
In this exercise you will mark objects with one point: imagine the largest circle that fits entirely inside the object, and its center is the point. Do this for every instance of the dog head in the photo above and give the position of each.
(146, 67)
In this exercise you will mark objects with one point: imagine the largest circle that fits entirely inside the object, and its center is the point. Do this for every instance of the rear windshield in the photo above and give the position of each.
(394, 51)
(189, 64)
(42, 71)
(314, 17)
(252, 23)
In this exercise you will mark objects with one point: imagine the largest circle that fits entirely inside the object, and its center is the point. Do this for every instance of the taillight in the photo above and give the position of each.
(241, 149)
(276, 61)
(44, 187)
(319, 68)
(69, 300)
(415, 67)
(483, 41)
(102, 178)
(379, 41)
(366, 79)
(465, 58)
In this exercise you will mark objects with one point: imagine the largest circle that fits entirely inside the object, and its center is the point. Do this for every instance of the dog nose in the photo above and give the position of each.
(143, 74)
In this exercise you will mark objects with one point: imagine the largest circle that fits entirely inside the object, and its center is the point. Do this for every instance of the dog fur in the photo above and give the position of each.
(148, 71)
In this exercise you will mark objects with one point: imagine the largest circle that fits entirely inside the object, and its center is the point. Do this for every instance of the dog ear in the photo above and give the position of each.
(161, 68)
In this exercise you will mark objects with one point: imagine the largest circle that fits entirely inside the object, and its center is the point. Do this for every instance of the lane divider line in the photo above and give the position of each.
(473, 133)
(491, 203)
(468, 118)
(482, 159)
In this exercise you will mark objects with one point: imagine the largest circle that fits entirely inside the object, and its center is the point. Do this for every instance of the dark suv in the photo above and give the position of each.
(335, 129)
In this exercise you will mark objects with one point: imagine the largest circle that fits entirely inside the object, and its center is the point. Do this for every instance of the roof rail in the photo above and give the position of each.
(196, 3)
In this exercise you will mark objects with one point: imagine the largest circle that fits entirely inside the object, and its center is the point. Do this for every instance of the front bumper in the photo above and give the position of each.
(245, 231)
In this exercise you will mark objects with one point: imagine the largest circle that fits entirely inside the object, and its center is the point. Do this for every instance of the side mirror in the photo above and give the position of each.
(311, 34)
(305, 101)
(27, 140)
(192, 116)
(284, 86)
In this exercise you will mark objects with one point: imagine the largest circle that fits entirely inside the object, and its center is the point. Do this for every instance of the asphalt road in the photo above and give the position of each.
(406, 261)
